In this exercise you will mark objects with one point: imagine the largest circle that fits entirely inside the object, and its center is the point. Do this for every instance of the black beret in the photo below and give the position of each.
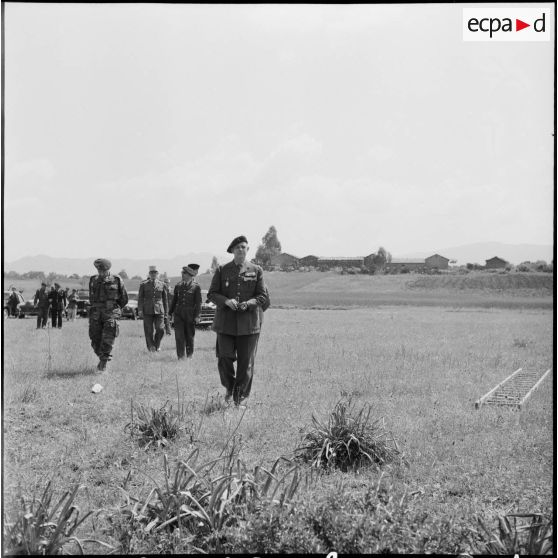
(102, 263)
(236, 241)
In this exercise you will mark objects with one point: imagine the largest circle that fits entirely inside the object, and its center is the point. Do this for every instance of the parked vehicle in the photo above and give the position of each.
(5, 310)
(83, 304)
(130, 311)
(27, 308)
(207, 311)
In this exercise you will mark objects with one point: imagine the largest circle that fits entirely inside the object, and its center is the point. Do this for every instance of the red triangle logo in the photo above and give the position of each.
(519, 25)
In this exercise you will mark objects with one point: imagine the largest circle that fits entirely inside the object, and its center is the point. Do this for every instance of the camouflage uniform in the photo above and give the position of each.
(152, 301)
(42, 303)
(237, 331)
(185, 309)
(107, 296)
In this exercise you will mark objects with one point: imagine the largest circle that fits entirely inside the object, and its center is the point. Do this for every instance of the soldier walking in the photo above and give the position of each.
(186, 309)
(168, 329)
(238, 291)
(73, 299)
(57, 299)
(42, 304)
(108, 296)
(153, 308)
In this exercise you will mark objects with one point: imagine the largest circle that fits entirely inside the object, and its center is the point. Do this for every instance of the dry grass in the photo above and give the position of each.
(422, 368)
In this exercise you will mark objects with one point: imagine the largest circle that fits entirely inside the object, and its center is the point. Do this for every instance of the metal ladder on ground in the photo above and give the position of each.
(514, 390)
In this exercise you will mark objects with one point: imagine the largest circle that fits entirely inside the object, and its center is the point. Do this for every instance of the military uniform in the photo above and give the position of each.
(185, 309)
(42, 303)
(152, 301)
(57, 299)
(108, 296)
(237, 331)
(168, 328)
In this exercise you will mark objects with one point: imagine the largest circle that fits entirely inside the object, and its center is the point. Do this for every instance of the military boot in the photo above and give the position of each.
(102, 366)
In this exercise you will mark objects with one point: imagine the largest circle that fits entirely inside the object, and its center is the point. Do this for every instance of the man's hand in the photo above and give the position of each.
(197, 320)
(232, 303)
(140, 314)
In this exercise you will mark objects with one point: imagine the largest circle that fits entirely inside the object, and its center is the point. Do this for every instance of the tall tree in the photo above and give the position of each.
(269, 247)
(214, 264)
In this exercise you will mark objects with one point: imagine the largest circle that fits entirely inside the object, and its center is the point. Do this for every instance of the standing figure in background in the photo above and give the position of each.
(185, 310)
(108, 296)
(238, 290)
(168, 329)
(13, 303)
(42, 304)
(57, 299)
(153, 308)
(73, 299)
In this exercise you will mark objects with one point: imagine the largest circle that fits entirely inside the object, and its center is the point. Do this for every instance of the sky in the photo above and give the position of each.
(154, 130)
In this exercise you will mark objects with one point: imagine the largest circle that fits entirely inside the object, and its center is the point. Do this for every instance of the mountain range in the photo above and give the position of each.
(469, 253)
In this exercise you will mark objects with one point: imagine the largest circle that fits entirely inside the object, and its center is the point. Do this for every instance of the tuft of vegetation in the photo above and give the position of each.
(348, 440)
(514, 536)
(521, 343)
(41, 527)
(156, 426)
(193, 504)
(214, 404)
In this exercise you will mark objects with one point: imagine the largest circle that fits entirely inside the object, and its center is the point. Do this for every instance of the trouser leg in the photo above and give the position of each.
(190, 332)
(148, 331)
(226, 355)
(159, 328)
(109, 334)
(95, 332)
(246, 346)
(179, 335)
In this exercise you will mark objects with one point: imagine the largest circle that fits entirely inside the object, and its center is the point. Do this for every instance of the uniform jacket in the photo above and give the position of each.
(152, 297)
(41, 298)
(57, 299)
(107, 291)
(242, 283)
(187, 297)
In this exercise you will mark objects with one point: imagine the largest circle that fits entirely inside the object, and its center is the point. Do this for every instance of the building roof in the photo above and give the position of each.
(496, 258)
(406, 261)
(344, 258)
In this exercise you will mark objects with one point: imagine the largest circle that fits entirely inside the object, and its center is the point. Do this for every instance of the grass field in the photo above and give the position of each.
(420, 366)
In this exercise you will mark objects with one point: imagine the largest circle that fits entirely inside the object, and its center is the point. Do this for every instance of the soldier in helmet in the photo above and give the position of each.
(238, 290)
(108, 296)
(185, 309)
(153, 308)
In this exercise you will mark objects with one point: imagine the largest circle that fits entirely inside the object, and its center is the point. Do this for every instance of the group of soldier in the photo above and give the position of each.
(237, 289)
(54, 303)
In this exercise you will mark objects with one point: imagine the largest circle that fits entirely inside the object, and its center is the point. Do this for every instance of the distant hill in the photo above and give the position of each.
(482, 251)
(84, 266)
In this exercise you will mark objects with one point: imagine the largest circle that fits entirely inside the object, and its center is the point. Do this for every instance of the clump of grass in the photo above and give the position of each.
(214, 404)
(348, 440)
(521, 343)
(198, 503)
(41, 527)
(513, 537)
(28, 394)
(155, 426)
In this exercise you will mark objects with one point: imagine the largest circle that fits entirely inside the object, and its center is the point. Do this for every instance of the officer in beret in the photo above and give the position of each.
(153, 308)
(238, 291)
(42, 304)
(107, 296)
(185, 309)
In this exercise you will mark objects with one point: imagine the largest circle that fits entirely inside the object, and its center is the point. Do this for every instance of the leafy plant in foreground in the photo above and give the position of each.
(348, 440)
(199, 503)
(43, 528)
(511, 537)
(154, 426)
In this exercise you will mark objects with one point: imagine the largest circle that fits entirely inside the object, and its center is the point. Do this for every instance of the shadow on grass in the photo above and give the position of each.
(57, 373)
